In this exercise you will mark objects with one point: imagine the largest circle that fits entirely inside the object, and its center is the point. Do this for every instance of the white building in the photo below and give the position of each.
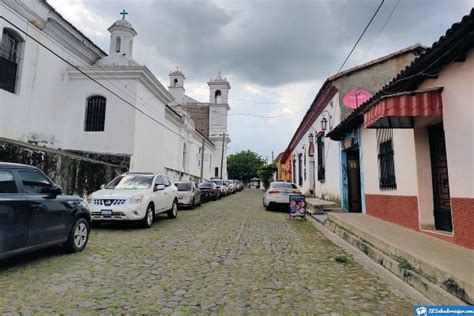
(108, 107)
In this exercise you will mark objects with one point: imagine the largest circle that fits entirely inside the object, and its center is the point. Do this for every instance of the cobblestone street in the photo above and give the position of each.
(227, 256)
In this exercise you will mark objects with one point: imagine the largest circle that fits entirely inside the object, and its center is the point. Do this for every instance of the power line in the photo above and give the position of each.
(267, 117)
(92, 79)
(340, 68)
(361, 35)
(383, 28)
(99, 73)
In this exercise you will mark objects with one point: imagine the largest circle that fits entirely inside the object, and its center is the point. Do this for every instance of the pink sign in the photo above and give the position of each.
(353, 99)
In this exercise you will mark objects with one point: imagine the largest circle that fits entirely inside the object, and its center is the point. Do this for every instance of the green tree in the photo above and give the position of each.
(243, 165)
(265, 173)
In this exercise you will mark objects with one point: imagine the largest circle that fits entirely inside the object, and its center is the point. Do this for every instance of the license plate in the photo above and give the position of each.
(106, 212)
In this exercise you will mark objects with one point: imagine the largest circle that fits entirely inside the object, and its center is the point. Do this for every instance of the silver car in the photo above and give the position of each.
(189, 195)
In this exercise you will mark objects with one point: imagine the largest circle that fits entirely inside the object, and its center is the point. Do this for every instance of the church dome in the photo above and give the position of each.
(122, 23)
(116, 60)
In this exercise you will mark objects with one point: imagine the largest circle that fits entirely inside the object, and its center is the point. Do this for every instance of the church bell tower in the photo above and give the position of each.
(219, 90)
(121, 37)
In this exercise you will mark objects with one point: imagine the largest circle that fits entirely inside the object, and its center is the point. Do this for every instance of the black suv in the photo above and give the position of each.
(34, 213)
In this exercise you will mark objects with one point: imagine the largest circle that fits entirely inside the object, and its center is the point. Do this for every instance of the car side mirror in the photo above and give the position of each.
(53, 190)
(102, 186)
(159, 187)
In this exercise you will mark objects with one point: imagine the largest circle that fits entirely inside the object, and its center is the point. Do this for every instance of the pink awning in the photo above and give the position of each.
(398, 110)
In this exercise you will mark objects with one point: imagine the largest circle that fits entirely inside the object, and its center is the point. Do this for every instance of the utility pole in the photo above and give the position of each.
(273, 158)
(202, 159)
(222, 154)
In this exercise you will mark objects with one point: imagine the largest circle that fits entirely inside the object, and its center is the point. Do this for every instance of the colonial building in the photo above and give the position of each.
(416, 141)
(210, 118)
(317, 164)
(60, 90)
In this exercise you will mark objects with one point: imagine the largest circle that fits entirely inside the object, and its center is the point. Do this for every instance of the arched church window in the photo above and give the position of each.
(10, 57)
(175, 82)
(95, 114)
(218, 96)
(118, 42)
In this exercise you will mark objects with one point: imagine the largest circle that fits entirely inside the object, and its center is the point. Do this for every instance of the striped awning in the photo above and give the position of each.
(399, 110)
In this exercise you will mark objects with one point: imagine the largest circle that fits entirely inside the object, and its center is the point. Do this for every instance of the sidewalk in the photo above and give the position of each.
(442, 271)
(319, 206)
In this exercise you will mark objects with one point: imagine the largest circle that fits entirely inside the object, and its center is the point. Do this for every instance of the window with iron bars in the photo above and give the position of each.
(9, 60)
(386, 166)
(321, 165)
(95, 114)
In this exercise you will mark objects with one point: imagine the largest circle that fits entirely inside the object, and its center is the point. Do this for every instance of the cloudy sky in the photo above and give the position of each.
(276, 54)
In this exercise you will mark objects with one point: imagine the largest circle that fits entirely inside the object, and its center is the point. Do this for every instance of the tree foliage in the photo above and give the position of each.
(244, 165)
(265, 173)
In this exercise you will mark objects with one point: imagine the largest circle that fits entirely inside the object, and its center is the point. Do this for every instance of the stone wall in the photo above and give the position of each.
(76, 174)
(200, 115)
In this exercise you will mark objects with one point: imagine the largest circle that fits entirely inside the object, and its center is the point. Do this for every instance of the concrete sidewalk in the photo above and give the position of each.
(319, 206)
(429, 264)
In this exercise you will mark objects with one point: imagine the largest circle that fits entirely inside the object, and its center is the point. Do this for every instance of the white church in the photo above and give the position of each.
(105, 106)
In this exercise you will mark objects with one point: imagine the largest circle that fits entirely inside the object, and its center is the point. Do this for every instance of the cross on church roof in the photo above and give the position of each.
(123, 13)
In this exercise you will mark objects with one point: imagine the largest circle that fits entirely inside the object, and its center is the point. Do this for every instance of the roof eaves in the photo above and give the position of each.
(406, 74)
(72, 26)
(416, 48)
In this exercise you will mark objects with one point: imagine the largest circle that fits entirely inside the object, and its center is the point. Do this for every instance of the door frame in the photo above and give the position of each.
(438, 210)
(353, 153)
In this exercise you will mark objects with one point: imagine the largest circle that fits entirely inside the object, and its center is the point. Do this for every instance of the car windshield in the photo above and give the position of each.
(206, 185)
(227, 182)
(131, 182)
(184, 186)
(218, 182)
(285, 186)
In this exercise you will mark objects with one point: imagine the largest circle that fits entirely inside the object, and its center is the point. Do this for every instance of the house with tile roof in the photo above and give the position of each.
(416, 141)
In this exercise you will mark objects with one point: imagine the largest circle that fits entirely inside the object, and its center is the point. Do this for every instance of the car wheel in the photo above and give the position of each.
(193, 203)
(268, 207)
(78, 236)
(147, 221)
(174, 210)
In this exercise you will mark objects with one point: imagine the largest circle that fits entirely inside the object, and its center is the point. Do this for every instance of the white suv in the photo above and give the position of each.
(135, 196)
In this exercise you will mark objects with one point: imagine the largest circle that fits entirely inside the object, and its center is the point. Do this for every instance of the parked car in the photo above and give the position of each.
(230, 186)
(35, 214)
(220, 185)
(188, 194)
(209, 191)
(135, 196)
(238, 185)
(279, 194)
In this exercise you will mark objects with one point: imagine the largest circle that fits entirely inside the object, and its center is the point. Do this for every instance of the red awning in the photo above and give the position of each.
(398, 110)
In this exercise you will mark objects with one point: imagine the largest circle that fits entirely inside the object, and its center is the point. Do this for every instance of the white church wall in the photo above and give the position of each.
(37, 110)
(155, 146)
(118, 134)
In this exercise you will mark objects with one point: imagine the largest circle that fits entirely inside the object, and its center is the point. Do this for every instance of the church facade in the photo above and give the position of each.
(62, 91)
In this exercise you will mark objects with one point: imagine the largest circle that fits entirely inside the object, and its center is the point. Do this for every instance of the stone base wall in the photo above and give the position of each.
(76, 174)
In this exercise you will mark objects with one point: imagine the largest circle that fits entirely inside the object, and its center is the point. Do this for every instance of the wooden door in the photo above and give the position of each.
(353, 177)
(439, 172)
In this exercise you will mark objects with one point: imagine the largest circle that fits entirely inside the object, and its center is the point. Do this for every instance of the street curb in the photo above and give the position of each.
(373, 267)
